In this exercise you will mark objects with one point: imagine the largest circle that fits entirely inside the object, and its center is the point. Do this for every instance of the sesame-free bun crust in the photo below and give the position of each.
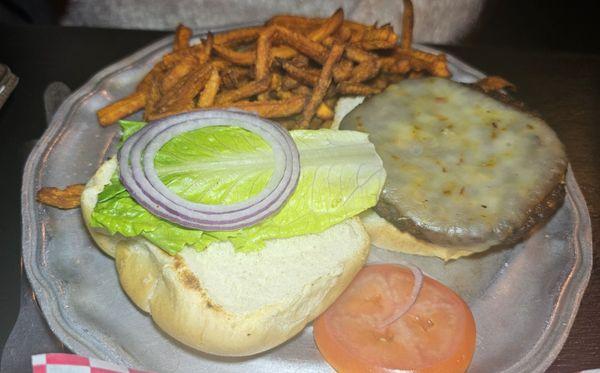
(231, 303)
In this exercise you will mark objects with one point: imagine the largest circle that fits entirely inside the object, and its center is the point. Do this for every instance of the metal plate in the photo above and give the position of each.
(524, 298)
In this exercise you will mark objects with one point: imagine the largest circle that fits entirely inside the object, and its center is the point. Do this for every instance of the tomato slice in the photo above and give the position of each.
(437, 334)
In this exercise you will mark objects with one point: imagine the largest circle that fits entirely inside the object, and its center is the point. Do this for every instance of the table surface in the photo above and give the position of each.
(564, 88)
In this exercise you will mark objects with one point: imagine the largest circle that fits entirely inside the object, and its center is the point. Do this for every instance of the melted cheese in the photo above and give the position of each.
(464, 168)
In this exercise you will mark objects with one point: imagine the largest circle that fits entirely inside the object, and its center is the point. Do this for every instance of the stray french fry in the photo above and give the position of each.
(247, 90)
(495, 83)
(207, 97)
(320, 89)
(122, 108)
(182, 37)
(408, 20)
(67, 198)
(271, 109)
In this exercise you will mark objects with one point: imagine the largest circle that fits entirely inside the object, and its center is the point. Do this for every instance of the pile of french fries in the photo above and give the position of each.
(292, 69)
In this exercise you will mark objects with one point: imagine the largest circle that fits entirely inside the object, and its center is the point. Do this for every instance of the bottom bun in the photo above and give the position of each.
(231, 303)
(386, 236)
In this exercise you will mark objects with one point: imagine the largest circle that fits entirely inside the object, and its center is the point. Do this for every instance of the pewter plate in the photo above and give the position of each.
(524, 298)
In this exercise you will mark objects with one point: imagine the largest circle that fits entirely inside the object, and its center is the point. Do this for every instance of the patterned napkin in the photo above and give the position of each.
(70, 363)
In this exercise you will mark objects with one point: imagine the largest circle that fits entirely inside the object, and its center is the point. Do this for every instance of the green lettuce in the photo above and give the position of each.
(341, 176)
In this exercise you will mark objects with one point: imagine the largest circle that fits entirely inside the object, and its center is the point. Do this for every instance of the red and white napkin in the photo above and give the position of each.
(69, 363)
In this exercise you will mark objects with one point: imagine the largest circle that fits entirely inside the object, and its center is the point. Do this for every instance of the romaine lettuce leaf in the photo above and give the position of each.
(341, 176)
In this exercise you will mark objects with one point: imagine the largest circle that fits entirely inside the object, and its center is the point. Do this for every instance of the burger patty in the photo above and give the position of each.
(464, 168)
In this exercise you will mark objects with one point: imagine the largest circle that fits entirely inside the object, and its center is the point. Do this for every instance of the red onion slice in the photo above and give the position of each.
(402, 309)
(138, 175)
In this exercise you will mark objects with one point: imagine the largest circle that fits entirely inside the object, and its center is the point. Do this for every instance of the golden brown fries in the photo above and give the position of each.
(67, 198)
(293, 68)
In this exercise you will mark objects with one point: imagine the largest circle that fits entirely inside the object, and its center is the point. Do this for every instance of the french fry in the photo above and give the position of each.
(365, 71)
(324, 112)
(303, 74)
(177, 72)
(323, 83)
(271, 109)
(436, 65)
(263, 58)
(294, 22)
(239, 58)
(343, 34)
(156, 71)
(182, 37)
(122, 108)
(241, 35)
(394, 65)
(66, 198)
(342, 70)
(377, 44)
(247, 90)
(408, 19)
(181, 96)
(204, 50)
(385, 32)
(495, 83)
(302, 44)
(328, 27)
(233, 76)
(289, 83)
(358, 55)
(356, 89)
(153, 95)
(208, 94)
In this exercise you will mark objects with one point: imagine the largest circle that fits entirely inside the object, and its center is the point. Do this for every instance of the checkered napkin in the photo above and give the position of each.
(69, 363)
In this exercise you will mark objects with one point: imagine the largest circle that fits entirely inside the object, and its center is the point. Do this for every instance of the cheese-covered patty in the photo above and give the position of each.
(463, 168)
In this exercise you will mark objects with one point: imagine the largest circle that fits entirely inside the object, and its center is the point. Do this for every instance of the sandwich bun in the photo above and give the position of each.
(232, 303)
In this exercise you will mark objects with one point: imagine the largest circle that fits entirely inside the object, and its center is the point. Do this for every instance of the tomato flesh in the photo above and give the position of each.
(437, 334)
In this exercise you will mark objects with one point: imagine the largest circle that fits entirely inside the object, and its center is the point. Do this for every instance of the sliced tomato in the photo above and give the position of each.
(437, 334)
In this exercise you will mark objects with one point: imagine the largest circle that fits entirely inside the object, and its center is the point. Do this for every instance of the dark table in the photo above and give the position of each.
(563, 88)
